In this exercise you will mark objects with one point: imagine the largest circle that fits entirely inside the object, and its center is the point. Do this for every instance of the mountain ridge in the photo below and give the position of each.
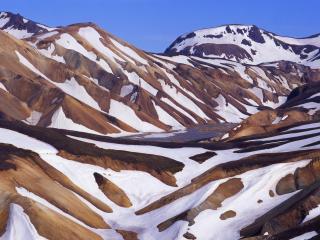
(156, 84)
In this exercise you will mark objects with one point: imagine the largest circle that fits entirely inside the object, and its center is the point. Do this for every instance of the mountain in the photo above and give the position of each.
(89, 71)
(246, 165)
(247, 44)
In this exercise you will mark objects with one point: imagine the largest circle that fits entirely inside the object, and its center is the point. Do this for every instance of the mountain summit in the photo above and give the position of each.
(19, 26)
(246, 44)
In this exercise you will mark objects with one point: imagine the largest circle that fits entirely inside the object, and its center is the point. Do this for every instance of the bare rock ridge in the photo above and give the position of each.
(67, 93)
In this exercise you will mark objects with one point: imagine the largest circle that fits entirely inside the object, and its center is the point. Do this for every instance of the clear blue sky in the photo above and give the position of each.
(153, 24)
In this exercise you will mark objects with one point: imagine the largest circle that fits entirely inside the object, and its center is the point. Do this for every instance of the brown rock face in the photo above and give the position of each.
(127, 235)
(271, 193)
(301, 179)
(47, 222)
(4, 211)
(190, 236)
(228, 214)
(201, 158)
(286, 185)
(112, 191)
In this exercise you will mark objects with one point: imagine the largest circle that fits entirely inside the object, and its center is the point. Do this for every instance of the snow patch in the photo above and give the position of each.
(19, 226)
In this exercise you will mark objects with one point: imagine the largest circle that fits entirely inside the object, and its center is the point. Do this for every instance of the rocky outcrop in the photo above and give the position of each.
(112, 191)
(301, 106)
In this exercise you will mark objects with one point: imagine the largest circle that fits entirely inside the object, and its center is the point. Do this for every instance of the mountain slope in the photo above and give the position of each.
(158, 92)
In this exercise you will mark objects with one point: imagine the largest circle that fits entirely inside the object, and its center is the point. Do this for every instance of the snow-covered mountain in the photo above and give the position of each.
(64, 90)
(247, 44)
(124, 89)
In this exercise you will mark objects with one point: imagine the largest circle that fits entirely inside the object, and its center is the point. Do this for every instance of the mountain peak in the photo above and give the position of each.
(244, 43)
(20, 27)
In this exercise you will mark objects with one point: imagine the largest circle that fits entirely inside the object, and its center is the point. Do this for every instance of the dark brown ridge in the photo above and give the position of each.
(158, 166)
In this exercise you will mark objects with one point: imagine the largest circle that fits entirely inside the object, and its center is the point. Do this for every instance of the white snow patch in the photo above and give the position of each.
(19, 226)
(74, 89)
(178, 59)
(23, 141)
(129, 52)
(165, 117)
(127, 115)
(60, 121)
(20, 34)
(126, 90)
(34, 118)
(3, 87)
(3, 21)
(315, 212)
(49, 54)
(134, 78)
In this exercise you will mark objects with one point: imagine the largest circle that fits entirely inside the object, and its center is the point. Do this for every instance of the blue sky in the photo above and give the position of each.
(153, 24)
